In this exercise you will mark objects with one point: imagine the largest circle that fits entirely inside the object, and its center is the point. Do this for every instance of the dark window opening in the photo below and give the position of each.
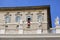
(29, 19)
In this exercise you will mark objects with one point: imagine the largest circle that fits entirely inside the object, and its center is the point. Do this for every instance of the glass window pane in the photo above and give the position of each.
(7, 19)
(39, 18)
(17, 18)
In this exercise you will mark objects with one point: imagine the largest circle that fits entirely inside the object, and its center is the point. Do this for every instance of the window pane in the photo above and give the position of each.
(7, 19)
(39, 18)
(17, 18)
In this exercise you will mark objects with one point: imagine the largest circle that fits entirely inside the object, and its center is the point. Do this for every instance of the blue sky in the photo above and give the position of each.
(54, 4)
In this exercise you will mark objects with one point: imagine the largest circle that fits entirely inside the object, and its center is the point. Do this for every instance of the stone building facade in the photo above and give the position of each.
(25, 20)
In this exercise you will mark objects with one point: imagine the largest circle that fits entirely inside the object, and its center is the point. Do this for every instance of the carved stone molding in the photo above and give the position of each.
(29, 13)
(18, 13)
(7, 14)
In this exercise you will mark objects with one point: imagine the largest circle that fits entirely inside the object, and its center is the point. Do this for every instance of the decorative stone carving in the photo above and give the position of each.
(7, 14)
(18, 13)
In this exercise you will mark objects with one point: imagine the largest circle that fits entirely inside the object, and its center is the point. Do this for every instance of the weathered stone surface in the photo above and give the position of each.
(30, 38)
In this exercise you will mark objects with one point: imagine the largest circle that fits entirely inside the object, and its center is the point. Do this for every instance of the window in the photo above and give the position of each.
(39, 18)
(7, 19)
(17, 18)
(28, 21)
(29, 18)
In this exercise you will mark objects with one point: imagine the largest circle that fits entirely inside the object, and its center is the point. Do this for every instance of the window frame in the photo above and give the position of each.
(39, 18)
(18, 18)
(7, 19)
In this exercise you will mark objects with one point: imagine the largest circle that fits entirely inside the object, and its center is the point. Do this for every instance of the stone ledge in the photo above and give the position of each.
(29, 35)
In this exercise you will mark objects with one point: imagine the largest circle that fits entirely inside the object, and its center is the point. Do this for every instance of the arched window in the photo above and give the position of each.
(7, 19)
(18, 18)
(28, 21)
(28, 18)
